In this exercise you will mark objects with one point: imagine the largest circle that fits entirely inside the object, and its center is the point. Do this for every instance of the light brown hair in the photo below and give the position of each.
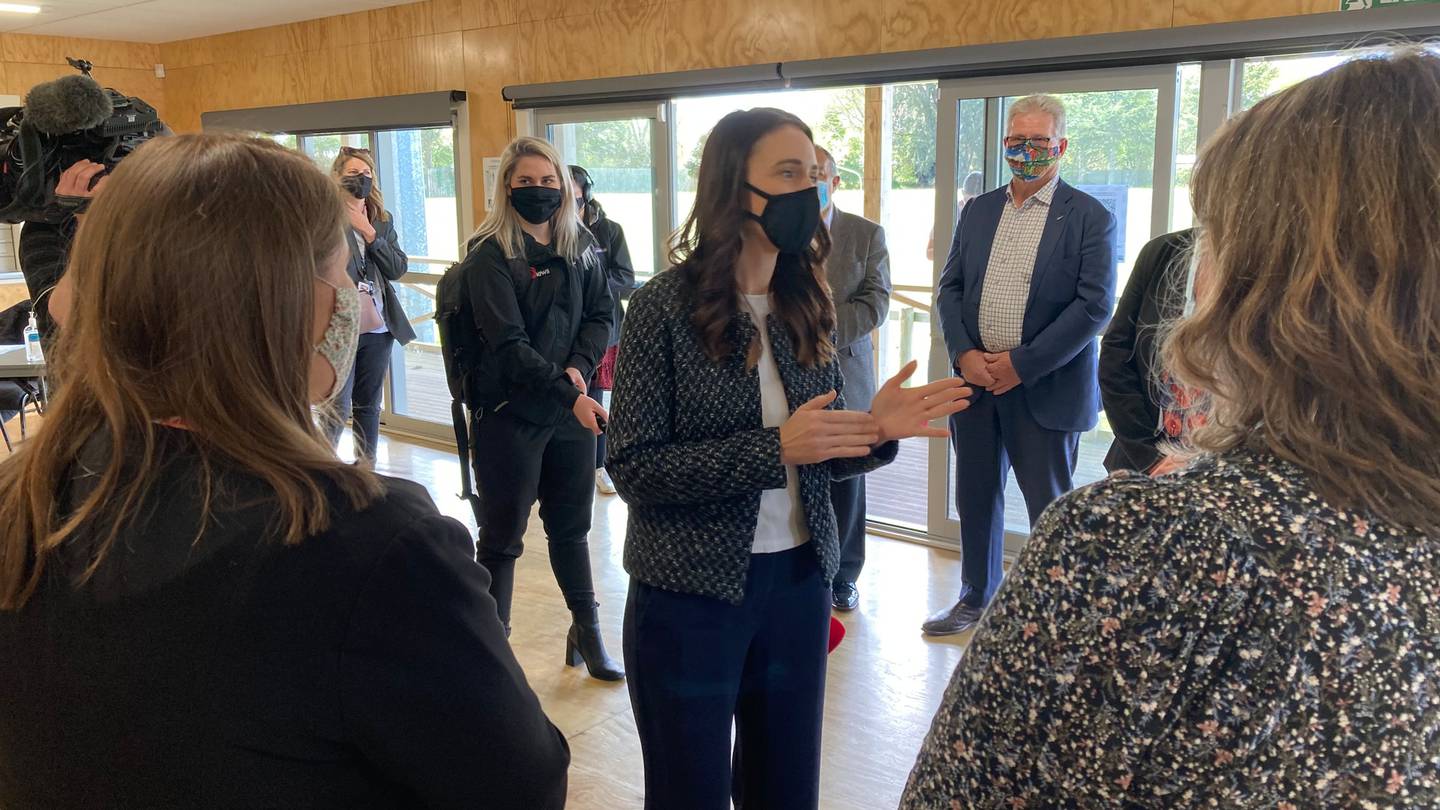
(1317, 330)
(375, 203)
(707, 247)
(183, 310)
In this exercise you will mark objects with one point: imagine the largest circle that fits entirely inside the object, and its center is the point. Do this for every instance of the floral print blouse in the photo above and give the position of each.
(1219, 638)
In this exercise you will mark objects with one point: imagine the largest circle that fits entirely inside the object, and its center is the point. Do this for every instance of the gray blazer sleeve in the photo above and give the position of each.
(863, 310)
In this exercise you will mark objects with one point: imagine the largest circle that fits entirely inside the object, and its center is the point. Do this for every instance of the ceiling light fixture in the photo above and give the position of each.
(18, 8)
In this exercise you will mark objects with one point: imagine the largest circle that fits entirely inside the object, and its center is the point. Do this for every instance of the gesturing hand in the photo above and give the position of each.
(589, 414)
(812, 434)
(902, 413)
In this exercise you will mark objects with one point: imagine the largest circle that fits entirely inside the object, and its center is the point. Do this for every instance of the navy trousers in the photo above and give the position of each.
(360, 398)
(993, 435)
(698, 667)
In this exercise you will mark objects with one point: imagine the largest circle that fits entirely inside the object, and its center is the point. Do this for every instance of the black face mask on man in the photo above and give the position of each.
(790, 220)
(536, 204)
(358, 185)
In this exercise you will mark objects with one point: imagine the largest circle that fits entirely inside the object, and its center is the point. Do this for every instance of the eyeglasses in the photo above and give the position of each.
(1038, 143)
(353, 150)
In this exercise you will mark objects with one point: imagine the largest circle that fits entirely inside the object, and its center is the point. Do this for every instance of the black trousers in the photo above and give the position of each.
(360, 399)
(698, 666)
(516, 464)
(848, 498)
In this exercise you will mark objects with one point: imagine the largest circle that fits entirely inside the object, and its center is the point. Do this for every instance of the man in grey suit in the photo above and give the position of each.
(859, 273)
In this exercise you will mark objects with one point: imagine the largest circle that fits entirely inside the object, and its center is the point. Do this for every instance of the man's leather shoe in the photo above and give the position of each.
(953, 620)
(844, 596)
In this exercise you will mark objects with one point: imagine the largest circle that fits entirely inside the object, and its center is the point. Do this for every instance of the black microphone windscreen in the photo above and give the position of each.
(68, 104)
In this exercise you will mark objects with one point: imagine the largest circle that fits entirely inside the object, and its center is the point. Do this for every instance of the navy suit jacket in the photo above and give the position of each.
(1071, 295)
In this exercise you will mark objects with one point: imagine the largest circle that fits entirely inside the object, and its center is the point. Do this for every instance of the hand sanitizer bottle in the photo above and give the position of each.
(33, 353)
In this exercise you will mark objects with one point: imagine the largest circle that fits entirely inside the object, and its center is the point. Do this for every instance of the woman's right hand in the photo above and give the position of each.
(812, 434)
(590, 414)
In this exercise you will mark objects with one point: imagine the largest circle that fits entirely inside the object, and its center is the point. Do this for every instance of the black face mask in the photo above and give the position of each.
(790, 219)
(536, 204)
(358, 185)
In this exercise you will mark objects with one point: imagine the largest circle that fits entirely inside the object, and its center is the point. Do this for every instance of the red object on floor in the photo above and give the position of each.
(837, 633)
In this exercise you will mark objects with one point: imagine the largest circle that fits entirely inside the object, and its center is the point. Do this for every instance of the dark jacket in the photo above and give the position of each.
(538, 315)
(619, 269)
(859, 273)
(1071, 294)
(383, 262)
(364, 667)
(690, 454)
(44, 252)
(1129, 362)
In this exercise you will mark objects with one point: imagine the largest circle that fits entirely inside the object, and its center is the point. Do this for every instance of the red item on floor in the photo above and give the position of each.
(837, 633)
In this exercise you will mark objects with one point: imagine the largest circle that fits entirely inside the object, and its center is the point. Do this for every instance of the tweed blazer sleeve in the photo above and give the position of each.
(649, 465)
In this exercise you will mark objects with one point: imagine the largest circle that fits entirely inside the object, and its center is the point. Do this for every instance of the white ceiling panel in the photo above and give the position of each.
(169, 20)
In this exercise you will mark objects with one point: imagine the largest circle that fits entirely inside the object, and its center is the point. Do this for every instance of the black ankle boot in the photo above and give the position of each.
(584, 644)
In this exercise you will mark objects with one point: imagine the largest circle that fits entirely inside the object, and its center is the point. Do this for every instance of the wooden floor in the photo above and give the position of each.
(885, 680)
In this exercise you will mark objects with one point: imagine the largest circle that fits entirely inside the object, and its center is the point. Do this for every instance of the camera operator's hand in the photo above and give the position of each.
(79, 180)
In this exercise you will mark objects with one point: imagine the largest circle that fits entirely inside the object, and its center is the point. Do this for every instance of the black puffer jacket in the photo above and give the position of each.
(690, 454)
(538, 314)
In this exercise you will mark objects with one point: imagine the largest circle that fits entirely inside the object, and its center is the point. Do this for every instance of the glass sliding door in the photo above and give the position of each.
(1122, 132)
(417, 175)
(626, 151)
(896, 494)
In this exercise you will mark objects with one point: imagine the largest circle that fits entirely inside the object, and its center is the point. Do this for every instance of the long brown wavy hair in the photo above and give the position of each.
(375, 203)
(1317, 328)
(183, 310)
(708, 245)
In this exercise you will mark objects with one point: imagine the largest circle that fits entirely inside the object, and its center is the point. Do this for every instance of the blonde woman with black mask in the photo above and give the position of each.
(200, 606)
(539, 298)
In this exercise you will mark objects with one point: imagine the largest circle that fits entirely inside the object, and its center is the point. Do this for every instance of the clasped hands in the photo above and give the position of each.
(993, 372)
(813, 434)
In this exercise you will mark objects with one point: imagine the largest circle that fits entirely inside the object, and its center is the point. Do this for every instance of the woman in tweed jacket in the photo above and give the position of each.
(728, 427)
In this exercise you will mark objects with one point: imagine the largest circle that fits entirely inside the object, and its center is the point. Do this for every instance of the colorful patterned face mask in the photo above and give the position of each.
(1028, 161)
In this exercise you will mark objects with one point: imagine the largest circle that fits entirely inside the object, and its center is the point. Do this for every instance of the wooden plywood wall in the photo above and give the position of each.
(129, 67)
(482, 45)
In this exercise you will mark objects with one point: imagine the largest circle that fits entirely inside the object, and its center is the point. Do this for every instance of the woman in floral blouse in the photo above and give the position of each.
(1261, 630)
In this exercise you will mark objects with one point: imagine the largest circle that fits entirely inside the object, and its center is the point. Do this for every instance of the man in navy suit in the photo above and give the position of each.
(1028, 286)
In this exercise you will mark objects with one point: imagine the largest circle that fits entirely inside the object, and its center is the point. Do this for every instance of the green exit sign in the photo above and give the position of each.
(1361, 5)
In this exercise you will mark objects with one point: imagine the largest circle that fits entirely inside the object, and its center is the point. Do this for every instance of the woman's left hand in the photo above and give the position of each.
(903, 413)
(360, 221)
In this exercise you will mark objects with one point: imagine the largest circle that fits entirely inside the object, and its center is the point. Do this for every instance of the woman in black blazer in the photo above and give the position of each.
(376, 260)
(200, 606)
(1131, 385)
(728, 429)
